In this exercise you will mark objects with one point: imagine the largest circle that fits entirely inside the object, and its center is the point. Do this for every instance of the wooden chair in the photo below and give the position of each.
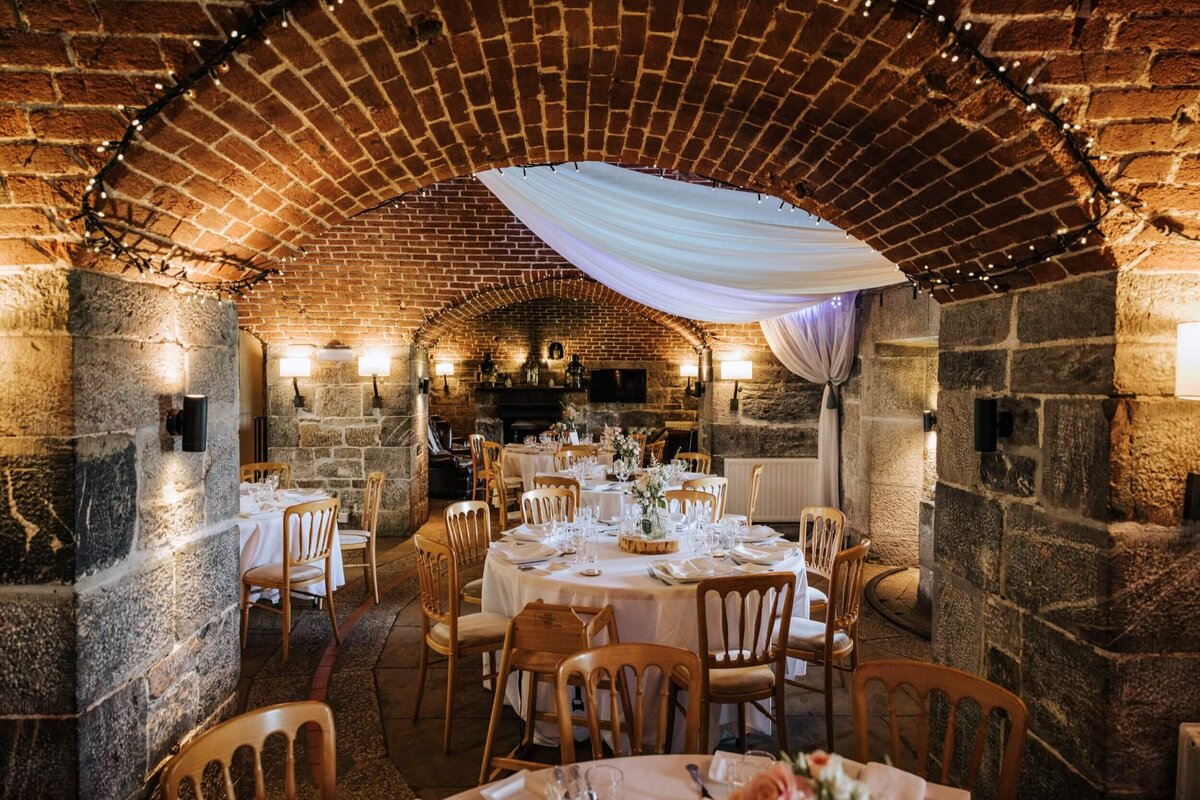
(538, 639)
(743, 646)
(469, 534)
(479, 472)
(363, 541)
(654, 452)
(504, 491)
(640, 438)
(756, 472)
(622, 666)
(311, 526)
(696, 462)
(954, 686)
(682, 499)
(444, 630)
(559, 482)
(259, 470)
(827, 643)
(821, 530)
(539, 506)
(717, 487)
(252, 730)
(569, 454)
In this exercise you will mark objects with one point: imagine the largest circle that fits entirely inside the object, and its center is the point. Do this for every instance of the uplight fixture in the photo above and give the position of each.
(375, 366)
(445, 369)
(739, 370)
(1187, 361)
(191, 423)
(296, 367)
(690, 371)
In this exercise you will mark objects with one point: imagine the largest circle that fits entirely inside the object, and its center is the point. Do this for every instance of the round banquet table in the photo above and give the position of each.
(530, 461)
(666, 778)
(606, 496)
(262, 542)
(646, 610)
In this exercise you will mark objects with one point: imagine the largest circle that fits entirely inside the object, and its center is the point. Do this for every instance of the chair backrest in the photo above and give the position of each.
(953, 686)
(437, 579)
(558, 482)
(640, 438)
(475, 443)
(544, 632)
(569, 454)
(493, 454)
(846, 589)
(682, 499)
(469, 531)
(654, 452)
(751, 628)
(310, 528)
(539, 506)
(259, 470)
(756, 472)
(717, 487)
(696, 462)
(821, 530)
(622, 667)
(372, 497)
(251, 730)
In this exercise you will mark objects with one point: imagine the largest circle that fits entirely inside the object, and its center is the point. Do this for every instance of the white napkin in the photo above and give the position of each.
(889, 783)
(693, 569)
(522, 552)
(511, 787)
(530, 533)
(764, 553)
(761, 533)
(245, 486)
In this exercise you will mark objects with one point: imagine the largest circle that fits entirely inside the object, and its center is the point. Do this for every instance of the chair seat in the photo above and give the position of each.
(741, 680)
(816, 596)
(473, 591)
(809, 635)
(353, 538)
(272, 574)
(473, 630)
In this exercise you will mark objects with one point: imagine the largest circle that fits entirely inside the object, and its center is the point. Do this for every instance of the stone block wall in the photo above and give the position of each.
(1063, 571)
(888, 461)
(118, 552)
(338, 438)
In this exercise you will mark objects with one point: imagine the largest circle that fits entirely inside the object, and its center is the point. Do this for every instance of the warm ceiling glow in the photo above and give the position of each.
(374, 365)
(295, 367)
(1187, 361)
(689, 370)
(737, 370)
(443, 368)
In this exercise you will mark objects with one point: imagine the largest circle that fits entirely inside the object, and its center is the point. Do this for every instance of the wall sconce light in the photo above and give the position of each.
(1187, 361)
(190, 422)
(928, 420)
(990, 423)
(423, 385)
(445, 369)
(691, 371)
(736, 371)
(296, 367)
(375, 366)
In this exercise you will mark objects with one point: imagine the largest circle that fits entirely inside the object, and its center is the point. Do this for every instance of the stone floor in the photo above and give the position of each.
(370, 682)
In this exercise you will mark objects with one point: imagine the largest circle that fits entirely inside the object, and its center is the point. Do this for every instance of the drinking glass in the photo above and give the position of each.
(607, 783)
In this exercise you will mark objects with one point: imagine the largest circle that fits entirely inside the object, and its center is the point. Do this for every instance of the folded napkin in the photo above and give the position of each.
(508, 789)
(245, 486)
(530, 533)
(522, 552)
(761, 533)
(764, 553)
(691, 570)
(888, 783)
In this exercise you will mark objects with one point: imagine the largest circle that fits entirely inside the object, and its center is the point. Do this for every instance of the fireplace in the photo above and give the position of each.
(512, 413)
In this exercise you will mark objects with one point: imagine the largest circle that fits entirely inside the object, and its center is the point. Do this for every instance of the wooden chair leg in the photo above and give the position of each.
(287, 620)
(501, 683)
(422, 672)
(781, 714)
(672, 710)
(372, 568)
(829, 705)
(337, 637)
(451, 668)
(704, 743)
(741, 741)
(245, 612)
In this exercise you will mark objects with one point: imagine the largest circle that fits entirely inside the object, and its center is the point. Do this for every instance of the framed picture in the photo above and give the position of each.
(555, 351)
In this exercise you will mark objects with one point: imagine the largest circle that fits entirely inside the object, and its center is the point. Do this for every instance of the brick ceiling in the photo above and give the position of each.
(837, 111)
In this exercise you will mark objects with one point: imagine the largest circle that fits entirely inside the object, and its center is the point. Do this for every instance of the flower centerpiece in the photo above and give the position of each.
(816, 776)
(625, 448)
(563, 429)
(606, 436)
(650, 493)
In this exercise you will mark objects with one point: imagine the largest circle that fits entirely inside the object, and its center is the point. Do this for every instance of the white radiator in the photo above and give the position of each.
(788, 485)
(1187, 779)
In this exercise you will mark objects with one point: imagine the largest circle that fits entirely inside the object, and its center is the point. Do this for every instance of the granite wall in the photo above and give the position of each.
(337, 438)
(888, 461)
(118, 552)
(1062, 568)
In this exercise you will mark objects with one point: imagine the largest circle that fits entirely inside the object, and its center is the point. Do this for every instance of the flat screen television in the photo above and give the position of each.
(617, 386)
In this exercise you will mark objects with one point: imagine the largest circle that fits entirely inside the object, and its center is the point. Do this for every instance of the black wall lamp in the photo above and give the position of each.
(741, 370)
(296, 367)
(990, 424)
(446, 369)
(190, 422)
(692, 371)
(375, 366)
(423, 385)
(1191, 498)
(928, 418)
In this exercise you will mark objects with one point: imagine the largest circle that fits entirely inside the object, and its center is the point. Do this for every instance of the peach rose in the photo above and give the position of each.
(777, 782)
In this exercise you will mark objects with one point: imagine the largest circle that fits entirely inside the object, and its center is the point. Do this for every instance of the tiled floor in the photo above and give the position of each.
(372, 685)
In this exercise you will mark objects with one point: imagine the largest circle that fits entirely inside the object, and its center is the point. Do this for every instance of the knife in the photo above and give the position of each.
(694, 771)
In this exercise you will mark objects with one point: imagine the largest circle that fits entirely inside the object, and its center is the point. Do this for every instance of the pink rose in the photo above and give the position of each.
(777, 782)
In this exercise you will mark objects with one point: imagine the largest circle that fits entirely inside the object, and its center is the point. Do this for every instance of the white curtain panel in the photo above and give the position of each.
(683, 248)
(817, 343)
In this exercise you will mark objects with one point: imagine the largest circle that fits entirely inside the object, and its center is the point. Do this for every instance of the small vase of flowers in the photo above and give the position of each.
(650, 494)
(815, 776)
(626, 449)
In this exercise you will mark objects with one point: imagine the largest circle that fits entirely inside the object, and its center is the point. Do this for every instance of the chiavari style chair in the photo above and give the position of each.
(504, 489)
(539, 506)
(696, 462)
(259, 470)
(717, 487)
(479, 471)
(363, 541)
(821, 530)
(654, 452)
(469, 534)
(569, 454)
(558, 482)
(308, 530)
(680, 500)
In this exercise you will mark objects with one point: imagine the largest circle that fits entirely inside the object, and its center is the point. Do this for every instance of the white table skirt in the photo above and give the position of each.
(646, 610)
(526, 462)
(262, 543)
(666, 778)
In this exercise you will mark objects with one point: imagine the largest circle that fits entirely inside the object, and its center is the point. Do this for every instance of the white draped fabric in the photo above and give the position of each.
(717, 256)
(817, 344)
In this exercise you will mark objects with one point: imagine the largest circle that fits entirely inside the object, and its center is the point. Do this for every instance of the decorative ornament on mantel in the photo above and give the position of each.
(487, 371)
(575, 372)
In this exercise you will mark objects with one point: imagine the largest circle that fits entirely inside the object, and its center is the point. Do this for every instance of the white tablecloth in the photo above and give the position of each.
(666, 778)
(606, 495)
(527, 462)
(262, 543)
(646, 610)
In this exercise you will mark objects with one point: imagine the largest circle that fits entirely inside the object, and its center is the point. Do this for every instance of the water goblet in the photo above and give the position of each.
(605, 783)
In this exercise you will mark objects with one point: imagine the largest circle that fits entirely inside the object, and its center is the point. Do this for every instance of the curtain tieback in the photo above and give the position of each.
(832, 401)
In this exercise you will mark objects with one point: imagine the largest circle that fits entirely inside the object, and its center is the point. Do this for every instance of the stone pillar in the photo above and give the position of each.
(338, 437)
(118, 552)
(1062, 571)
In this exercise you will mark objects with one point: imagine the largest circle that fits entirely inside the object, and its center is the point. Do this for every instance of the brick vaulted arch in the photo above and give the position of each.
(586, 290)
